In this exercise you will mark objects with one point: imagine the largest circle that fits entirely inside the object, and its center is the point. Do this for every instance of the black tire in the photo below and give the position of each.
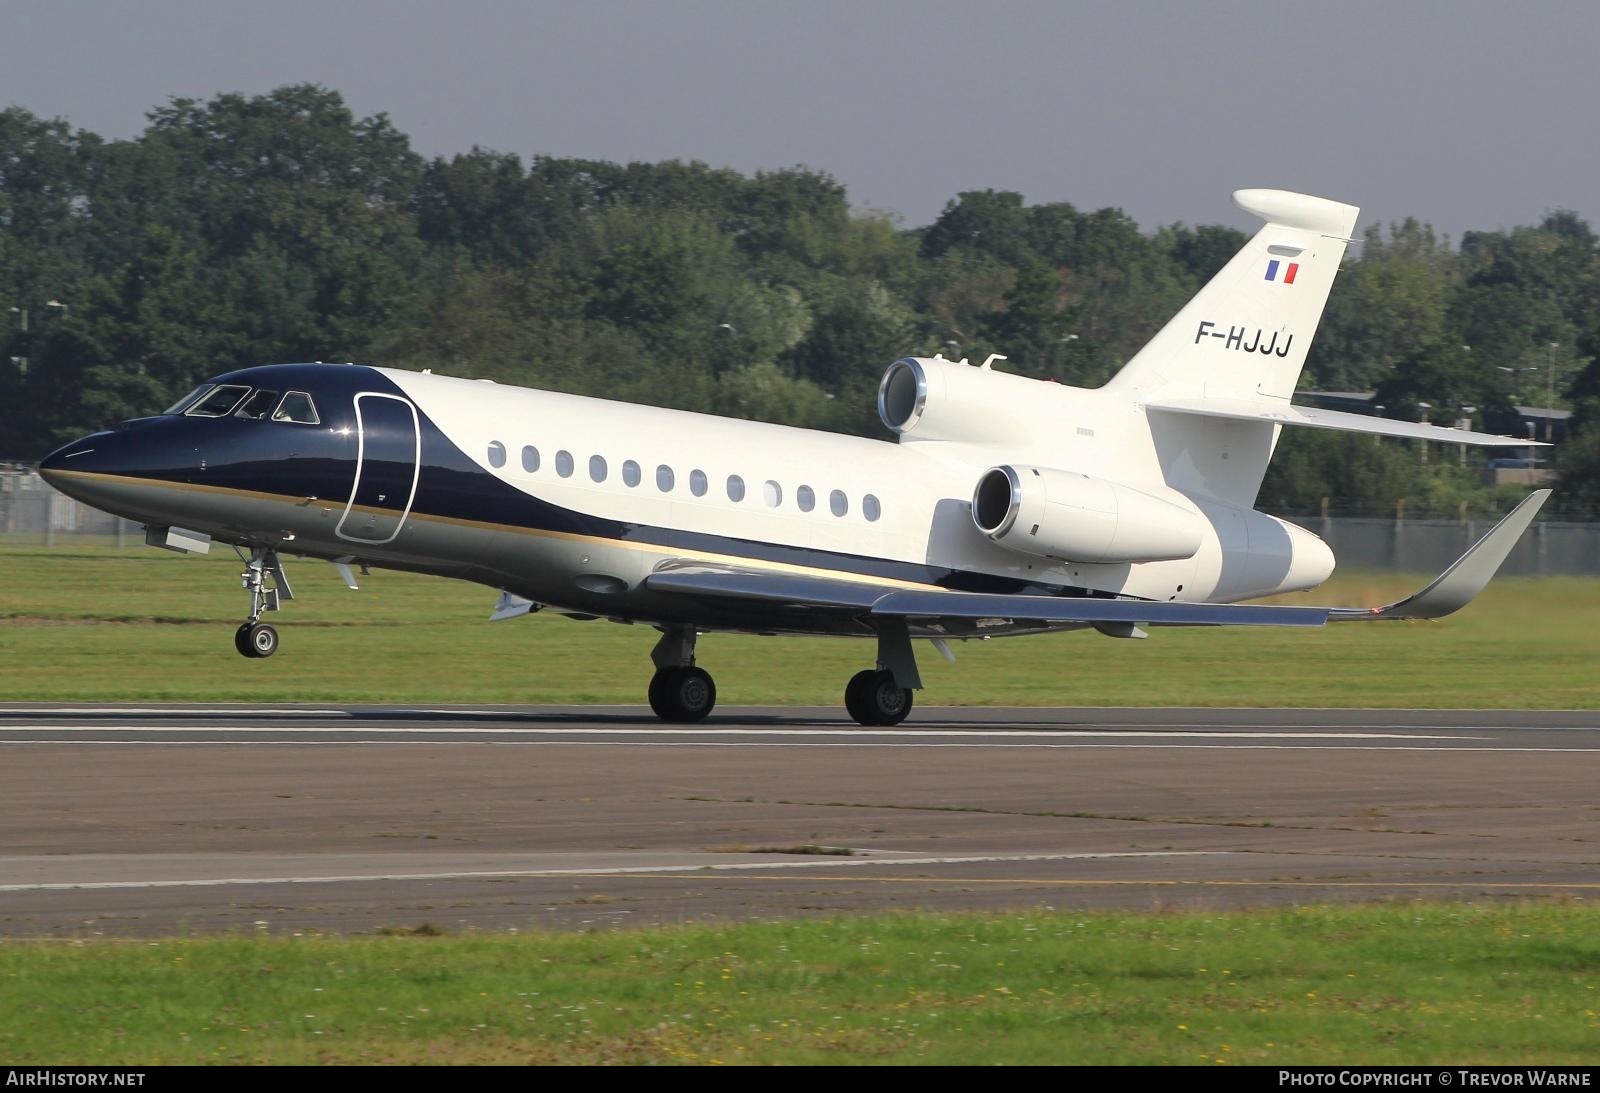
(263, 640)
(874, 699)
(241, 641)
(657, 701)
(682, 695)
(855, 697)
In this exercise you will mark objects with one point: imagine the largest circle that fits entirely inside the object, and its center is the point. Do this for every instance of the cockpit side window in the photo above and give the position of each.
(297, 407)
(220, 401)
(177, 407)
(257, 405)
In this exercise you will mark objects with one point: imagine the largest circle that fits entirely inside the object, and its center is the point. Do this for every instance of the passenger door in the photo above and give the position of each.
(388, 460)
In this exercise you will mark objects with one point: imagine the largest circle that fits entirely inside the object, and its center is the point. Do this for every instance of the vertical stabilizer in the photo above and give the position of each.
(1245, 335)
(1242, 338)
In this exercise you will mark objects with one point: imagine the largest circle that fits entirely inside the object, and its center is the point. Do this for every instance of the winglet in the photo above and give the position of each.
(1455, 587)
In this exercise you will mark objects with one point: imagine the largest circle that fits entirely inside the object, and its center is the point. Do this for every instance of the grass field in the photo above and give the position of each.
(1380, 985)
(103, 624)
(1394, 983)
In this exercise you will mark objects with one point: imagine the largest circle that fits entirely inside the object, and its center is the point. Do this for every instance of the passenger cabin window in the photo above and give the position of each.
(564, 464)
(664, 478)
(630, 473)
(597, 468)
(806, 498)
(298, 408)
(838, 503)
(497, 454)
(735, 488)
(772, 493)
(530, 458)
(258, 405)
(177, 407)
(870, 508)
(698, 483)
(220, 402)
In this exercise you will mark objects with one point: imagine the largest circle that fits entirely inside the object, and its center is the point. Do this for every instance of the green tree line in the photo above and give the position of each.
(281, 227)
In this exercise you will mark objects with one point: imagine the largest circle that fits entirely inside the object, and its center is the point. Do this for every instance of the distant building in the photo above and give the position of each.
(1546, 424)
(1349, 402)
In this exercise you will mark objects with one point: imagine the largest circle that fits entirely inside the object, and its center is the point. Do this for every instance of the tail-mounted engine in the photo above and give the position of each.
(930, 398)
(1073, 517)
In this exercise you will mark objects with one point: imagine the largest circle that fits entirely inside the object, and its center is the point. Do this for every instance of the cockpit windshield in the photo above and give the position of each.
(220, 401)
(177, 407)
(297, 407)
(260, 402)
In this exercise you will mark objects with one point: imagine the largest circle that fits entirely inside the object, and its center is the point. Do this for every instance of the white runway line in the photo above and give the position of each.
(904, 744)
(176, 711)
(653, 731)
(811, 862)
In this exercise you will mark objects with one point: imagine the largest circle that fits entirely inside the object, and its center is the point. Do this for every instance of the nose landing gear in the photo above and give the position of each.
(254, 638)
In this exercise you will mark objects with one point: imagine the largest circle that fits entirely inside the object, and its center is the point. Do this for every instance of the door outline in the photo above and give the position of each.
(361, 452)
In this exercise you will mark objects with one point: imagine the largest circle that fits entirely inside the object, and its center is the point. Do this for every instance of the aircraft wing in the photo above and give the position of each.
(958, 610)
(1455, 587)
(780, 590)
(973, 612)
(1287, 414)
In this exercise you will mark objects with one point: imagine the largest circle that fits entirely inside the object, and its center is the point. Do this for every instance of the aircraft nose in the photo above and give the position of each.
(53, 467)
(64, 468)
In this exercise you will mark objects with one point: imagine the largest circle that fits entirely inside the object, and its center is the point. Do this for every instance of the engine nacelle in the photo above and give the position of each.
(930, 398)
(1077, 518)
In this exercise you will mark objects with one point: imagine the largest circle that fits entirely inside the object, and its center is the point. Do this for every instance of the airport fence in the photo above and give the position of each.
(1550, 548)
(34, 514)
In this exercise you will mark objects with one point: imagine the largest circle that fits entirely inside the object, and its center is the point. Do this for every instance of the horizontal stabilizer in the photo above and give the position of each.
(1283, 413)
(1455, 587)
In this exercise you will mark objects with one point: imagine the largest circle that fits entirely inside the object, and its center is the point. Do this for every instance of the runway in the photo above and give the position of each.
(155, 819)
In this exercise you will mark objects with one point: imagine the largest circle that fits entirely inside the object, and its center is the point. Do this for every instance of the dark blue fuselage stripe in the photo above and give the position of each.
(300, 461)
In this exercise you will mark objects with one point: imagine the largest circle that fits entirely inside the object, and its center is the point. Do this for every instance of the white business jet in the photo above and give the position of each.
(1005, 506)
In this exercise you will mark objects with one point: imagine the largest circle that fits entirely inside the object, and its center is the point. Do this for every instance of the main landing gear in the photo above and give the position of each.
(682, 693)
(882, 696)
(679, 691)
(874, 698)
(254, 638)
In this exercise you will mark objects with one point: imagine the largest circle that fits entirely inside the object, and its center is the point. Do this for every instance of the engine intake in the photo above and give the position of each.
(929, 398)
(1078, 518)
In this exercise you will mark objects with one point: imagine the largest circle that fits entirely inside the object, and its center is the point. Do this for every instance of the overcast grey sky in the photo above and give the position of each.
(1470, 114)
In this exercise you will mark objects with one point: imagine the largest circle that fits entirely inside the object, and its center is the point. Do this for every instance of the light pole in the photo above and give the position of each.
(1464, 422)
(22, 321)
(22, 324)
(1550, 395)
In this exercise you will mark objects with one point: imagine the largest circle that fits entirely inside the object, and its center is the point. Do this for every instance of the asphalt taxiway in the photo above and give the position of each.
(157, 819)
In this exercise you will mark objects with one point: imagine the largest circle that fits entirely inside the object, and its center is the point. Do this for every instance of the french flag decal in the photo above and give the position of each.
(1288, 273)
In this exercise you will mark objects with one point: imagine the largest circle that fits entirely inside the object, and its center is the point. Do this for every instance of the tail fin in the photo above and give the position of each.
(1245, 335)
(1241, 341)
